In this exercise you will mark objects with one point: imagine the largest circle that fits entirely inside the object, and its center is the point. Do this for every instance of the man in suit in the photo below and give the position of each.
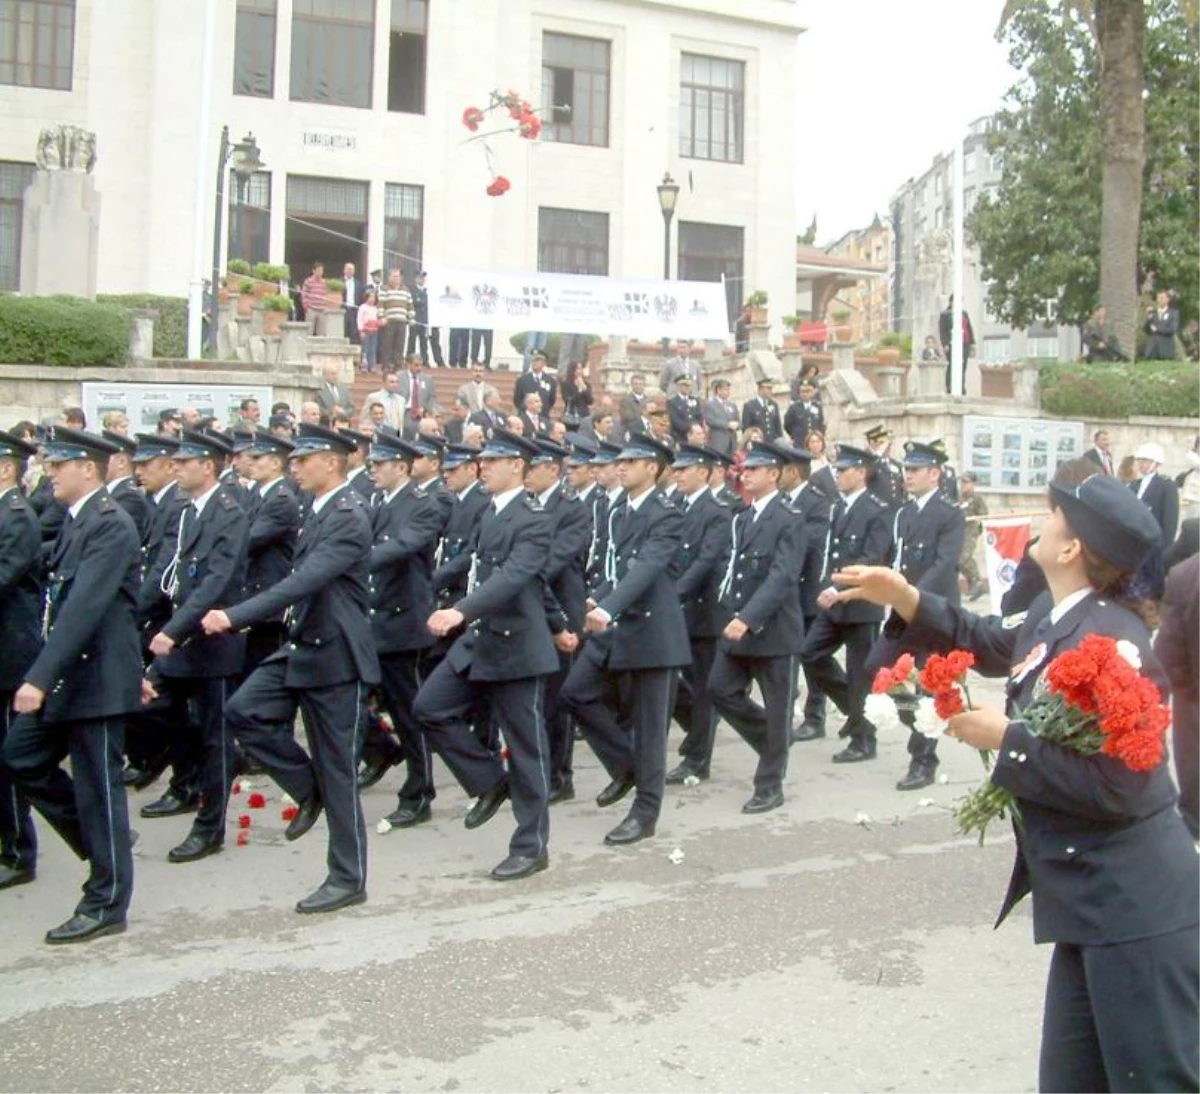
(21, 625)
(683, 409)
(420, 333)
(537, 381)
(122, 486)
(1160, 495)
(354, 297)
(390, 399)
(481, 347)
(632, 407)
(476, 391)
(679, 365)
(860, 533)
(702, 562)
(804, 415)
(945, 335)
(333, 394)
(885, 478)
(765, 631)
(419, 394)
(533, 420)
(1162, 324)
(83, 684)
(1101, 451)
(762, 413)
(324, 667)
(501, 659)
(619, 688)
(722, 418)
(192, 672)
(490, 417)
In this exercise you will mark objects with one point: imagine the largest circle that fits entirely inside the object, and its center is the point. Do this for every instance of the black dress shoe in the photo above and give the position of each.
(518, 866)
(615, 791)
(565, 792)
(808, 732)
(141, 777)
(306, 816)
(12, 875)
(329, 898)
(171, 805)
(678, 775)
(194, 847)
(855, 753)
(409, 816)
(82, 928)
(630, 830)
(371, 772)
(919, 775)
(764, 801)
(485, 808)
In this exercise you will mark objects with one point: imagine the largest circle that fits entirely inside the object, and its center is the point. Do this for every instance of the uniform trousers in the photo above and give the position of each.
(262, 714)
(148, 736)
(88, 807)
(1122, 1017)
(694, 710)
(848, 690)
(425, 338)
(460, 345)
(624, 714)
(814, 701)
(768, 728)
(481, 349)
(262, 640)
(447, 701)
(18, 840)
(559, 726)
(401, 680)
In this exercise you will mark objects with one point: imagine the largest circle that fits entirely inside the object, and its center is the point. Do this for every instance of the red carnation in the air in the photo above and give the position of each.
(531, 126)
(256, 801)
(499, 187)
(472, 118)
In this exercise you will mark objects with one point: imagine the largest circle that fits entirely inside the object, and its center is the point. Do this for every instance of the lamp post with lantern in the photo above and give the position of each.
(246, 161)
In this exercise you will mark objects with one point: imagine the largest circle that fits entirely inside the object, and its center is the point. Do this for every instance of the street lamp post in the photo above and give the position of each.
(245, 158)
(668, 194)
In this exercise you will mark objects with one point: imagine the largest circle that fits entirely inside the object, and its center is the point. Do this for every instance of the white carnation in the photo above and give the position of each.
(1130, 653)
(928, 722)
(880, 711)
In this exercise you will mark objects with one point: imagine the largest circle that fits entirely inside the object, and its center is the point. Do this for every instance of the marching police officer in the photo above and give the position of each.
(860, 533)
(702, 560)
(885, 479)
(604, 463)
(83, 685)
(766, 630)
(121, 485)
(358, 475)
(468, 499)
(324, 667)
(193, 672)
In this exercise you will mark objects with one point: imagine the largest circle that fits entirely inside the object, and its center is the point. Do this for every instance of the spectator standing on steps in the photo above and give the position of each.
(396, 306)
(312, 294)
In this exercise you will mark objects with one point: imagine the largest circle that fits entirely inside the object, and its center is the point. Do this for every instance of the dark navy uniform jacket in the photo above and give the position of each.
(328, 635)
(91, 663)
(158, 548)
(929, 541)
(813, 505)
(762, 590)
(1102, 848)
(401, 567)
(860, 537)
(450, 578)
(130, 497)
(800, 420)
(647, 630)
(885, 479)
(209, 574)
(232, 484)
(570, 534)
(703, 556)
(20, 588)
(274, 522)
(601, 511)
(507, 636)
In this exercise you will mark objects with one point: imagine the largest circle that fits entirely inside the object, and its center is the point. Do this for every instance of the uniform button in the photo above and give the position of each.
(291, 645)
(1070, 850)
(372, 611)
(1012, 754)
(1021, 758)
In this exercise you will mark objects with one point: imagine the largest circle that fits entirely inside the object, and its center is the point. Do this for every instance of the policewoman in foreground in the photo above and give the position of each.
(1102, 848)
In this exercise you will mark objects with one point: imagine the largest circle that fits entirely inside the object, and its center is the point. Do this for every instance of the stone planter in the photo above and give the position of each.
(245, 303)
(889, 357)
(758, 316)
(843, 333)
(273, 321)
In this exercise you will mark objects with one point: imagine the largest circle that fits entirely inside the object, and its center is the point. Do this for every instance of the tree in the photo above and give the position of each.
(1065, 224)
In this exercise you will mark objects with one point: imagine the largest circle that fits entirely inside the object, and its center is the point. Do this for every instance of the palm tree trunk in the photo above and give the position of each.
(1120, 29)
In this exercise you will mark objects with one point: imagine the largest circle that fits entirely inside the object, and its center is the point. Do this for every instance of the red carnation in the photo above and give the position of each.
(903, 667)
(244, 820)
(1139, 751)
(472, 118)
(243, 839)
(949, 703)
(499, 187)
(256, 801)
(289, 812)
(942, 672)
(531, 126)
(884, 682)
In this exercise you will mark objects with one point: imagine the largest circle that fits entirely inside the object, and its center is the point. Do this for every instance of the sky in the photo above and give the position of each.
(885, 85)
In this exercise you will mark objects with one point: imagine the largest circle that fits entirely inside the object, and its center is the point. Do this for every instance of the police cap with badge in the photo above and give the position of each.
(207, 445)
(503, 444)
(124, 444)
(389, 446)
(313, 439)
(14, 448)
(429, 445)
(849, 455)
(270, 444)
(693, 455)
(766, 454)
(878, 433)
(917, 455)
(582, 450)
(153, 446)
(793, 454)
(458, 454)
(549, 451)
(641, 446)
(64, 444)
(606, 453)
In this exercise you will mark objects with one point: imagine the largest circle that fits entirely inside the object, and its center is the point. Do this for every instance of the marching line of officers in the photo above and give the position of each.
(493, 603)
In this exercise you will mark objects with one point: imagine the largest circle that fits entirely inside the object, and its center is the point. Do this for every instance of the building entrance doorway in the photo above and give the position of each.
(326, 222)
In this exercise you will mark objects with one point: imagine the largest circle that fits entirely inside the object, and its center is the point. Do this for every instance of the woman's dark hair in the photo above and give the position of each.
(1118, 586)
(817, 433)
(26, 430)
(1071, 474)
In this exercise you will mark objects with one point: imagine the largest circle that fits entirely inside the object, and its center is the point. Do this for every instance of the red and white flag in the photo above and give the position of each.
(1004, 543)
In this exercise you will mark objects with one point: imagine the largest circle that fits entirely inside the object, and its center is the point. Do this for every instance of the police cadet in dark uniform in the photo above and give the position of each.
(683, 408)
(407, 523)
(468, 500)
(765, 633)
(21, 626)
(234, 442)
(324, 667)
(927, 539)
(885, 479)
(860, 533)
(359, 475)
(274, 521)
(121, 485)
(1106, 856)
(813, 505)
(949, 483)
(702, 560)
(569, 539)
(719, 484)
(599, 560)
(83, 685)
(501, 659)
(193, 672)
(638, 639)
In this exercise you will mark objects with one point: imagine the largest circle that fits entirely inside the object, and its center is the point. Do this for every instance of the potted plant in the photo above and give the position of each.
(238, 267)
(263, 285)
(276, 307)
(758, 307)
(223, 292)
(889, 349)
(842, 331)
(245, 304)
(335, 292)
(791, 340)
(279, 274)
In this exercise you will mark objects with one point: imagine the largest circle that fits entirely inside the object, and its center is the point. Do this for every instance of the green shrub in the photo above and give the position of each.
(58, 330)
(261, 271)
(170, 328)
(1163, 389)
(335, 286)
(238, 266)
(277, 302)
(275, 273)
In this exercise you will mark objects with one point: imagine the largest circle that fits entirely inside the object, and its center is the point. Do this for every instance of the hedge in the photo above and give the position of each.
(1162, 389)
(170, 328)
(62, 330)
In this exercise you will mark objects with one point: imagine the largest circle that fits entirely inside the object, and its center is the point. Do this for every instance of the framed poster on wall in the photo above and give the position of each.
(142, 403)
(1018, 455)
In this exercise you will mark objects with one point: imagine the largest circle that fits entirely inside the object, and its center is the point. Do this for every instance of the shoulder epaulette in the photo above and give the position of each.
(880, 503)
(420, 492)
(16, 500)
(664, 501)
(228, 501)
(348, 500)
(105, 504)
(532, 504)
(721, 502)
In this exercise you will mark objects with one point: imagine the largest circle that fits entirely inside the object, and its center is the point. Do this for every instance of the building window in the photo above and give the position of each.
(326, 222)
(575, 82)
(710, 108)
(406, 56)
(14, 177)
(937, 183)
(403, 228)
(37, 43)
(710, 252)
(333, 51)
(1042, 346)
(250, 217)
(254, 49)
(968, 162)
(996, 350)
(572, 242)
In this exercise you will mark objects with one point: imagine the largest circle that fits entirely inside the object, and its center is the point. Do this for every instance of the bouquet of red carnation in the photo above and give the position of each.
(932, 695)
(1096, 702)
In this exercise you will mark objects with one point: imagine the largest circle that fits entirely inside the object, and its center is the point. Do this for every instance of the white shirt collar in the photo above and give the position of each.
(390, 496)
(163, 492)
(760, 504)
(462, 494)
(613, 494)
(1068, 602)
(264, 487)
(692, 498)
(636, 503)
(75, 509)
(115, 483)
(500, 501)
(669, 489)
(1144, 485)
(545, 496)
(355, 473)
(586, 492)
(923, 500)
(850, 499)
(320, 503)
(202, 500)
(6, 491)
